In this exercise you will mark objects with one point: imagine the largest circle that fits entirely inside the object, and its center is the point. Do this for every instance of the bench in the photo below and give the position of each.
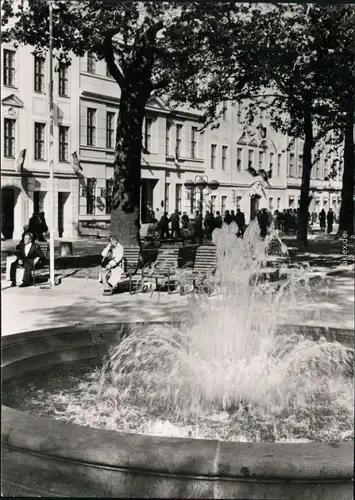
(204, 267)
(164, 267)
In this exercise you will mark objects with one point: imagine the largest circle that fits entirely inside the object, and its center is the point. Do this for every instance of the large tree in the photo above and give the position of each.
(336, 112)
(292, 66)
(146, 46)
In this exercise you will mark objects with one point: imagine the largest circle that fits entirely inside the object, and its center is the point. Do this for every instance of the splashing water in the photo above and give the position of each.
(225, 372)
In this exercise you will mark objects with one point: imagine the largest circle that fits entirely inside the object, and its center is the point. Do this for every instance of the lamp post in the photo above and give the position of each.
(201, 182)
(51, 151)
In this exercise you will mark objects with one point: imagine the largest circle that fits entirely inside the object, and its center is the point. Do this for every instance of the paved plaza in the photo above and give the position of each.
(80, 301)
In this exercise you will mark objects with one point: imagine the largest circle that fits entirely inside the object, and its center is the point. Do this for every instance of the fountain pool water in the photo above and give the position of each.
(224, 373)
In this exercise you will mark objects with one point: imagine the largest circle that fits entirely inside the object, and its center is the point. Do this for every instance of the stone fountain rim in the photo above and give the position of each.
(98, 448)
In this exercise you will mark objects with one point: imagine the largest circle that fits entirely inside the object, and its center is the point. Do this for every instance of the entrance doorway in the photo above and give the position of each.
(254, 206)
(7, 212)
(62, 200)
(147, 187)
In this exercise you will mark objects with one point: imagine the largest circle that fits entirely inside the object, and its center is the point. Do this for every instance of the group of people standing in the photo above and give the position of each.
(179, 225)
(326, 220)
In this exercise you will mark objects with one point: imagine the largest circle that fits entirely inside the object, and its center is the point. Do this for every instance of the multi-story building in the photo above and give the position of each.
(175, 151)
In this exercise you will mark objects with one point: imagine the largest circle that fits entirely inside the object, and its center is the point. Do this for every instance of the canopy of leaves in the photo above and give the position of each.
(172, 38)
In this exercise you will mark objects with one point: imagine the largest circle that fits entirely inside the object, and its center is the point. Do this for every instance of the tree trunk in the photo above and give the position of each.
(125, 214)
(302, 228)
(346, 217)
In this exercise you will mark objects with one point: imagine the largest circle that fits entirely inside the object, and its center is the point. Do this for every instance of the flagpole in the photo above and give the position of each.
(51, 151)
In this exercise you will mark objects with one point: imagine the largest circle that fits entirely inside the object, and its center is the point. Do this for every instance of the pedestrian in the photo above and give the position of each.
(218, 220)
(322, 218)
(208, 224)
(198, 227)
(264, 222)
(185, 220)
(34, 225)
(240, 220)
(330, 220)
(175, 224)
(42, 227)
(164, 226)
(227, 217)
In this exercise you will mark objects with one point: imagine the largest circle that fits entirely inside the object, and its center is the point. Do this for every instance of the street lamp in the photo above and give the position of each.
(201, 182)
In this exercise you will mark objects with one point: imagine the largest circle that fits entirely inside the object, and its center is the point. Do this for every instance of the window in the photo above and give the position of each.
(110, 117)
(167, 137)
(193, 141)
(271, 204)
(9, 138)
(148, 134)
(167, 201)
(239, 201)
(178, 191)
(224, 157)
(317, 170)
(278, 203)
(223, 204)
(300, 165)
(262, 115)
(63, 79)
(239, 159)
(90, 196)
(250, 157)
(91, 64)
(178, 141)
(291, 202)
(39, 74)
(326, 167)
(278, 165)
(9, 68)
(213, 203)
(261, 160)
(108, 195)
(63, 143)
(271, 165)
(291, 165)
(224, 110)
(39, 141)
(213, 156)
(91, 126)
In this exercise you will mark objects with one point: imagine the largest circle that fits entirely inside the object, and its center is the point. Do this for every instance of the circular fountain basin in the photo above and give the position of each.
(45, 457)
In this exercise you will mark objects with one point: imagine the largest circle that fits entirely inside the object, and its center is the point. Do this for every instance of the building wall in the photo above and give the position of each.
(22, 103)
(164, 170)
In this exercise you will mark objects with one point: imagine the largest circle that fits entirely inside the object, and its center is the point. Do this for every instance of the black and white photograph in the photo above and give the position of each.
(177, 249)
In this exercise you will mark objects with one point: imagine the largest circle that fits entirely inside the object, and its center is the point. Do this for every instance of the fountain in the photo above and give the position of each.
(229, 403)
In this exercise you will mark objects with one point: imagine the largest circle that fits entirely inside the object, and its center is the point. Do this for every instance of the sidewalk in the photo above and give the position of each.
(80, 301)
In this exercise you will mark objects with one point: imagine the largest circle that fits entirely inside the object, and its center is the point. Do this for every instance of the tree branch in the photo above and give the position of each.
(109, 56)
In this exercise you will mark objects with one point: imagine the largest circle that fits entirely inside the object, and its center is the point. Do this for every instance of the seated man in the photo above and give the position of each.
(112, 265)
(28, 254)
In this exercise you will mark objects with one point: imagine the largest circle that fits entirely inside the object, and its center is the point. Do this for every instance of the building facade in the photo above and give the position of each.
(175, 151)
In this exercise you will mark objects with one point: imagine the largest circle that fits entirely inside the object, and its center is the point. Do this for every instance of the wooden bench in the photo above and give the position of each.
(164, 267)
(204, 267)
(131, 255)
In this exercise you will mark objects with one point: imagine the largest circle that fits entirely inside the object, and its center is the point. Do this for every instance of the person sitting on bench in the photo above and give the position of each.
(112, 265)
(28, 254)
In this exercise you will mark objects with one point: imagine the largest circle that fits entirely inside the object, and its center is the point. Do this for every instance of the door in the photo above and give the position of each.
(7, 212)
(61, 201)
(254, 206)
